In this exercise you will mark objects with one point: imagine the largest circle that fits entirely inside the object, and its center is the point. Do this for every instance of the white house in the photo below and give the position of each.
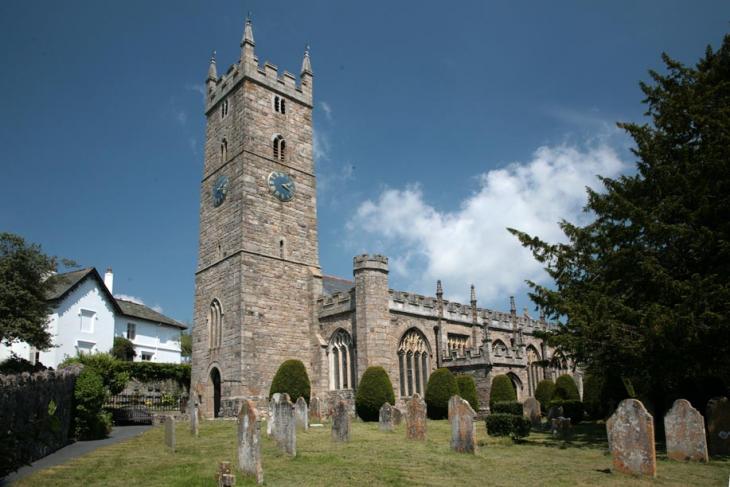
(86, 317)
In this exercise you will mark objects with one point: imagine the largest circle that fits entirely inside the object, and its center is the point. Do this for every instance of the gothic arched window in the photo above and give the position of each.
(215, 324)
(414, 355)
(341, 355)
(499, 348)
(535, 372)
(279, 147)
(224, 150)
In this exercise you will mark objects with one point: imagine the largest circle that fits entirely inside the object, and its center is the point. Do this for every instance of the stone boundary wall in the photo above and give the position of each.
(29, 429)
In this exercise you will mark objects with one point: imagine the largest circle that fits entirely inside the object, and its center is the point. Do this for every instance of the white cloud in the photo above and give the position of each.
(327, 109)
(197, 88)
(471, 244)
(157, 308)
(320, 145)
(127, 297)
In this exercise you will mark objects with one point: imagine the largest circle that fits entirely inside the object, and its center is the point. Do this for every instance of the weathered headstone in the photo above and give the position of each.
(463, 428)
(685, 432)
(385, 417)
(271, 419)
(224, 476)
(561, 428)
(301, 412)
(718, 426)
(284, 430)
(397, 417)
(340, 422)
(249, 441)
(170, 432)
(631, 439)
(416, 418)
(194, 418)
(531, 409)
(315, 410)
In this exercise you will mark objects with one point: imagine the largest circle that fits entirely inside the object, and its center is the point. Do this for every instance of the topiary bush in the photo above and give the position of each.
(91, 422)
(566, 389)
(441, 386)
(521, 427)
(571, 409)
(292, 379)
(544, 393)
(501, 424)
(502, 390)
(507, 407)
(374, 390)
(468, 390)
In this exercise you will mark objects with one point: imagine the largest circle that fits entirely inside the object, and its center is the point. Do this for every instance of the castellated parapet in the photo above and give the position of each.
(371, 262)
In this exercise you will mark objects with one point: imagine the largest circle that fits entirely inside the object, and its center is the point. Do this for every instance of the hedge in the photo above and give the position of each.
(544, 393)
(507, 407)
(571, 409)
(292, 379)
(123, 349)
(502, 390)
(91, 423)
(501, 424)
(566, 389)
(116, 373)
(468, 390)
(374, 390)
(441, 386)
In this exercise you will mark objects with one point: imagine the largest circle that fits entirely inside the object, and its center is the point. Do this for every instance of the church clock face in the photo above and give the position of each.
(281, 186)
(219, 191)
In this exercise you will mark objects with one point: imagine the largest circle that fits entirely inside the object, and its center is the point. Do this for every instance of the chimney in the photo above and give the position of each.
(109, 279)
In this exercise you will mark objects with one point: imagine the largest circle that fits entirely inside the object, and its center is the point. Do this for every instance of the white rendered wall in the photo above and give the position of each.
(162, 341)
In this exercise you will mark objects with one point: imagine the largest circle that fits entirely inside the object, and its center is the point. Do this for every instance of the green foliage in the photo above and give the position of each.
(91, 422)
(23, 307)
(468, 390)
(648, 280)
(17, 365)
(544, 393)
(502, 424)
(507, 407)
(113, 372)
(292, 379)
(186, 345)
(374, 390)
(153, 371)
(502, 390)
(566, 389)
(441, 386)
(123, 349)
(572, 409)
(592, 397)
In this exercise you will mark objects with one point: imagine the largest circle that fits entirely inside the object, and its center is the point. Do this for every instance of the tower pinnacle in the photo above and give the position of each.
(473, 296)
(247, 42)
(306, 62)
(212, 71)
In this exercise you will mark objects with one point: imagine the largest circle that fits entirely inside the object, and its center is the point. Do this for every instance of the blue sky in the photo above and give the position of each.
(436, 127)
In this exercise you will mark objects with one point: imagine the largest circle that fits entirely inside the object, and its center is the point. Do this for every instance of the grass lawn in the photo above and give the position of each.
(371, 458)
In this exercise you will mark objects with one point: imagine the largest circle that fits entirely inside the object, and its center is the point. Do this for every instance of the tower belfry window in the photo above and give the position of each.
(224, 108)
(279, 147)
(279, 105)
(224, 150)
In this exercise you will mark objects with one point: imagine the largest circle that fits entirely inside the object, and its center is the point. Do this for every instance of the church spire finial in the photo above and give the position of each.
(473, 296)
(306, 62)
(512, 307)
(212, 71)
(439, 289)
(248, 32)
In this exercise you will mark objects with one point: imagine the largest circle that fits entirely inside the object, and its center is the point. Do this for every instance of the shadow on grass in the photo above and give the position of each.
(589, 434)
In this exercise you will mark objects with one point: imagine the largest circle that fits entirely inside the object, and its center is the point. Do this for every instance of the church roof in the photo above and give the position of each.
(332, 284)
(136, 310)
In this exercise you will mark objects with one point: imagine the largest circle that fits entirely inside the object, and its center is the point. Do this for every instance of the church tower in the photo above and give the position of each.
(258, 274)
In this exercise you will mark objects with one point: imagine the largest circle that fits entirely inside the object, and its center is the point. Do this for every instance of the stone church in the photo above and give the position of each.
(261, 297)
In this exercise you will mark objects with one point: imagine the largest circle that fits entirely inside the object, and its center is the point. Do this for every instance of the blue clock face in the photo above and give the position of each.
(220, 189)
(281, 185)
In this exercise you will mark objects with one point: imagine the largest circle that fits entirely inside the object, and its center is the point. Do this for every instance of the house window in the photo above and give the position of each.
(414, 355)
(224, 108)
(147, 356)
(279, 105)
(341, 355)
(87, 320)
(279, 146)
(131, 331)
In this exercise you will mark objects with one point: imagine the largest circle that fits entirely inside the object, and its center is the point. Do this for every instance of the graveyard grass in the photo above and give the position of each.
(371, 458)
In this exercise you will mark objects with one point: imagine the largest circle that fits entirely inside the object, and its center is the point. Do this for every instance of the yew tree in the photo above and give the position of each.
(643, 290)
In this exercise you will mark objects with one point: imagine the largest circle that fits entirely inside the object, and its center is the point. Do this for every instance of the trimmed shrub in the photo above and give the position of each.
(91, 422)
(566, 389)
(501, 424)
(468, 390)
(571, 409)
(544, 393)
(502, 390)
(112, 371)
(292, 379)
(507, 407)
(16, 365)
(374, 390)
(123, 349)
(441, 386)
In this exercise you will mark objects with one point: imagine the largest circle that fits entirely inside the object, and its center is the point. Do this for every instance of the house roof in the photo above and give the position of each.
(61, 285)
(332, 284)
(136, 310)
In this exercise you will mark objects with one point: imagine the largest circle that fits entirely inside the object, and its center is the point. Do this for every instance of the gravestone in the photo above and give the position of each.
(554, 412)
(397, 416)
(718, 426)
(561, 428)
(284, 430)
(315, 410)
(631, 439)
(685, 432)
(301, 412)
(531, 409)
(385, 417)
(224, 476)
(194, 418)
(416, 418)
(270, 423)
(463, 428)
(170, 432)
(340, 422)
(249, 441)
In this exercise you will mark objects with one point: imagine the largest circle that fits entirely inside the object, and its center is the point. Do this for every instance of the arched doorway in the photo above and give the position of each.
(215, 379)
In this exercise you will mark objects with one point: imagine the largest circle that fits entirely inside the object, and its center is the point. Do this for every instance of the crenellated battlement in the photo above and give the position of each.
(336, 303)
(370, 261)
